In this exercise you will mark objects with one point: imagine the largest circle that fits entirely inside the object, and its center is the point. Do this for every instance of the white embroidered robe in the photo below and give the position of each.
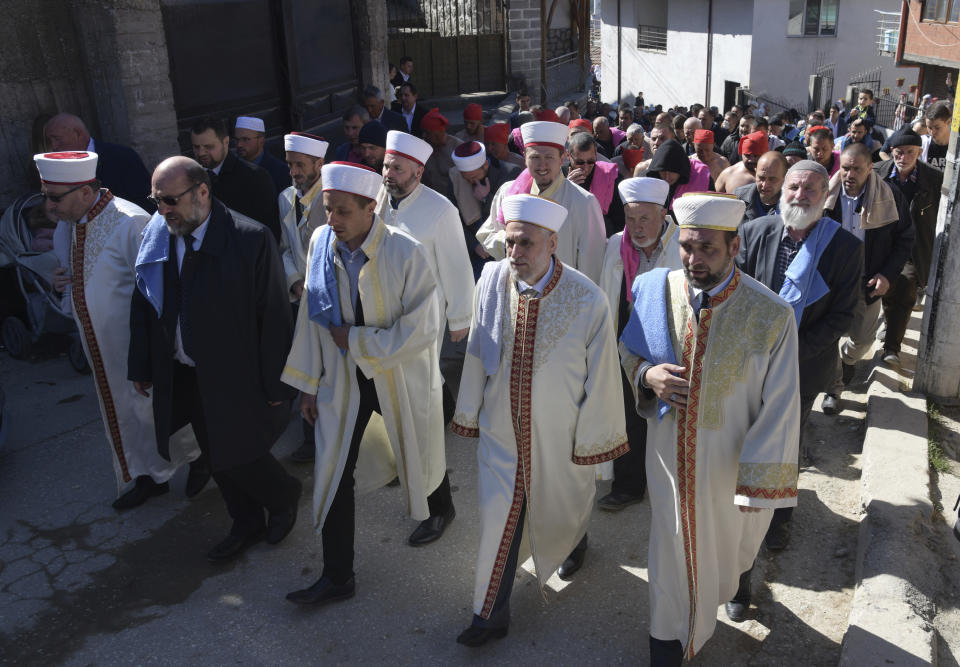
(551, 412)
(434, 221)
(397, 349)
(103, 252)
(295, 238)
(734, 444)
(580, 241)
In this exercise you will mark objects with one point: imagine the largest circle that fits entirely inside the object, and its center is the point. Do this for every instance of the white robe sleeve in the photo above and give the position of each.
(768, 472)
(454, 268)
(492, 234)
(304, 366)
(591, 243)
(378, 350)
(601, 433)
(646, 401)
(286, 252)
(473, 382)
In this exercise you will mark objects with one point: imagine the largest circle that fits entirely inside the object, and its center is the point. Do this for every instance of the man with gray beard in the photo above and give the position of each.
(210, 328)
(815, 265)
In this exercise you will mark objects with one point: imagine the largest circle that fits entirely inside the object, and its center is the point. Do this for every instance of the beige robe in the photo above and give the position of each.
(397, 349)
(103, 254)
(434, 221)
(556, 404)
(580, 241)
(734, 444)
(295, 238)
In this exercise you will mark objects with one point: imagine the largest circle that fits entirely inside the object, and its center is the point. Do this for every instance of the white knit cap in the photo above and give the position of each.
(469, 156)
(544, 133)
(350, 177)
(708, 210)
(308, 144)
(250, 123)
(67, 167)
(534, 210)
(408, 146)
(644, 189)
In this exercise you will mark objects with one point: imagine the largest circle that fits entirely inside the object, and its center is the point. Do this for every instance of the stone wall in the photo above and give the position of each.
(560, 41)
(104, 61)
(523, 31)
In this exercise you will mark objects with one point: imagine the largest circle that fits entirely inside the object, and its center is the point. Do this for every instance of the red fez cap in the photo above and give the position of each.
(497, 133)
(473, 111)
(582, 122)
(703, 137)
(467, 148)
(547, 114)
(433, 121)
(755, 143)
(818, 127)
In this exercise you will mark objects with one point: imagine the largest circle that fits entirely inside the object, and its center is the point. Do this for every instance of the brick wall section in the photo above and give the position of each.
(935, 33)
(523, 26)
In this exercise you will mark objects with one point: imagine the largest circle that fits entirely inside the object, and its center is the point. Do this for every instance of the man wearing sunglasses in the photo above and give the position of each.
(210, 330)
(600, 178)
(101, 233)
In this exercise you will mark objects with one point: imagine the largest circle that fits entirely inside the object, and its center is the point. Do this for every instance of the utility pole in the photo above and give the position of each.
(938, 357)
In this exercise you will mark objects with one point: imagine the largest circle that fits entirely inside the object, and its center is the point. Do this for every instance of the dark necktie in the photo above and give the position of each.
(187, 269)
(213, 176)
(298, 207)
(704, 302)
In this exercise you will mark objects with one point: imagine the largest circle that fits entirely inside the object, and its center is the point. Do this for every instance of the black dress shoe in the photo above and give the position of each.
(431, 529)
(738, 607)
(574, 561)
(305, 453)
(232, 546)
(617, 500)
(474, 636)
(198, 477)
(143, 489)
(323, 591)
(279, 524)
(778, 536)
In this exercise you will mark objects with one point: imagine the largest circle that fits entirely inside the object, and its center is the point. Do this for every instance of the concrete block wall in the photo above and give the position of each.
(523, 31)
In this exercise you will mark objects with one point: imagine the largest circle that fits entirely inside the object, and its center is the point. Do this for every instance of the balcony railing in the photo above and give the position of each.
(888, 32)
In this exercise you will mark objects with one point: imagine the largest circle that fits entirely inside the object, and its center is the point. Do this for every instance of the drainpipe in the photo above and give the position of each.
(619, 53)
(706, 95)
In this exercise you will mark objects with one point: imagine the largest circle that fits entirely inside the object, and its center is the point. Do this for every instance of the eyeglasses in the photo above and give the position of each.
(171, 200)
(580, 163)
(56, 199)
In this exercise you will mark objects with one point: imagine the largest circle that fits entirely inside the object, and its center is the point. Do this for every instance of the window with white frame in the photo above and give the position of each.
(813, 18)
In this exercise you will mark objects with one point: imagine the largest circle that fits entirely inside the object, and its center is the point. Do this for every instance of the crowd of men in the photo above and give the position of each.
(653, 297)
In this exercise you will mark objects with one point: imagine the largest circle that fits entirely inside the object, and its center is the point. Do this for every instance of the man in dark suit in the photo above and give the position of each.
(375, 106)
(404, 71)
(410, 112)
(119, 168)
(240, 185)
(919, 183)
(833, 257)
(762, 197)
(250, 137)
(210, 329)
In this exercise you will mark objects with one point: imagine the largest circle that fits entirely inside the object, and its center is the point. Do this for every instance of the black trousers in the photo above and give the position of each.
(630, 470)
(247, 489)
(308, 433)
(783, 514)
(337, 534)
(898, 305)
(500, 613)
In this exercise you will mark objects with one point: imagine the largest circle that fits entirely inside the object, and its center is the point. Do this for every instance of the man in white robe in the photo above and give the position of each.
(103, 236)
(301, 212)
(712, 356)
(649, 241)
(541, 390)
(429, 217)
(581, 241)
(365, 342)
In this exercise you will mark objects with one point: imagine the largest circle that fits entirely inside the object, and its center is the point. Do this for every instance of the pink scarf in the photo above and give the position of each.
(517, 138)
(604, 178)
(631, 260)
(699, 180)
(520, 186)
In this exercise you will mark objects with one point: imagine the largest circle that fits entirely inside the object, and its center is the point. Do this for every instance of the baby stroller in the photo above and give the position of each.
(31, 306)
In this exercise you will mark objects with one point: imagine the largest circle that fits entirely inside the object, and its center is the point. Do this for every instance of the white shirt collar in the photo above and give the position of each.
(217, 169)
(199, 232)
(522, 286)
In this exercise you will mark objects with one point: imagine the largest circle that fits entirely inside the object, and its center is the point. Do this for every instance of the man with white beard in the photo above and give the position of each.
(815, 265)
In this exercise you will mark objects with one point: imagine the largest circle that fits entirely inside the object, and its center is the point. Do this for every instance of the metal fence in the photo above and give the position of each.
(446, 18)
(893, 113)
(770, 105)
